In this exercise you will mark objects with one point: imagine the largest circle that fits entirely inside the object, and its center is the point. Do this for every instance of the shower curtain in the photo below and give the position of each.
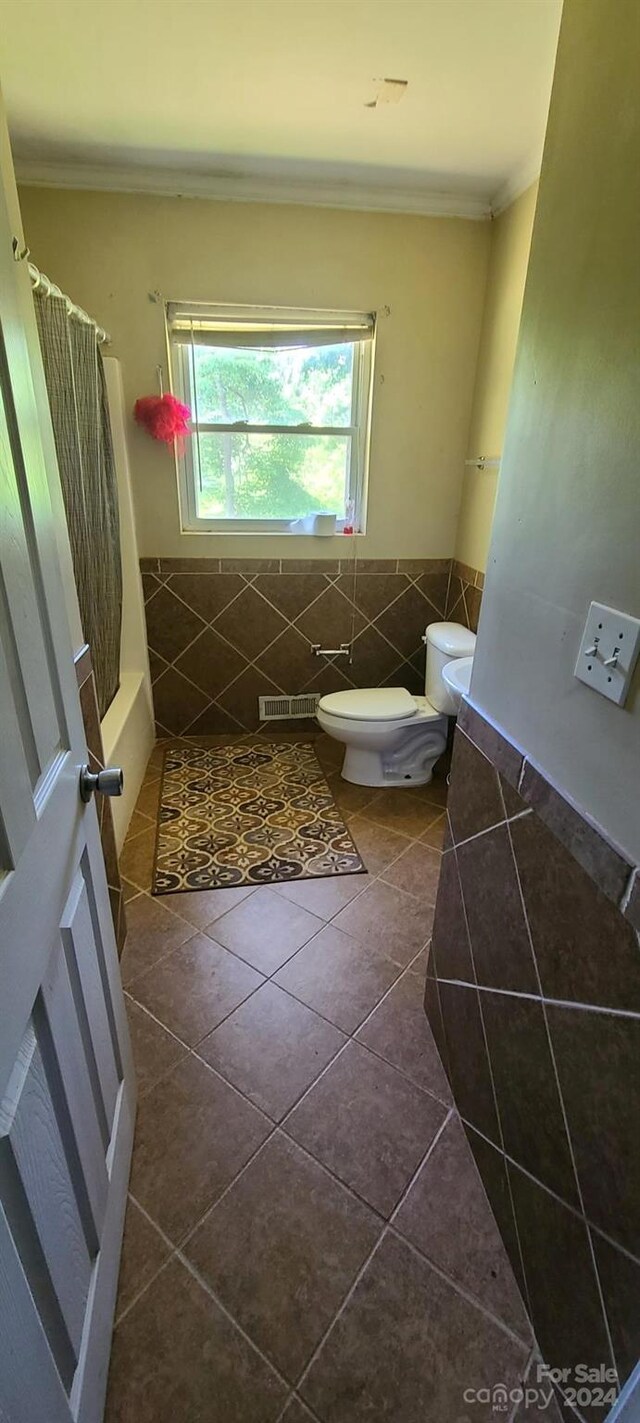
(77, 397)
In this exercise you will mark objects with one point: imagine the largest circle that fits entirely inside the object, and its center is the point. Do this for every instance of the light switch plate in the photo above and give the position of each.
(608, 652)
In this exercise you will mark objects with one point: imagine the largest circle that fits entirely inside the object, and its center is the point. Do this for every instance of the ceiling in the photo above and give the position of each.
(263, 97)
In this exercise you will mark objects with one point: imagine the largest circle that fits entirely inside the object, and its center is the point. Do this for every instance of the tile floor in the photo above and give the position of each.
(307, 1237)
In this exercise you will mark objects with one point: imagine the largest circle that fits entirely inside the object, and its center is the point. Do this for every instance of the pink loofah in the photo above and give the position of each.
(164, 417)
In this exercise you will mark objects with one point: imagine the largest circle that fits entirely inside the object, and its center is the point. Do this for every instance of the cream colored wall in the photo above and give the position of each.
(510, 243)
(110, 250)
(567, 523)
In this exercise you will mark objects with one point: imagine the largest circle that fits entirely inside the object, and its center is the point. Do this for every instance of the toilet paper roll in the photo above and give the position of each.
(324, 525)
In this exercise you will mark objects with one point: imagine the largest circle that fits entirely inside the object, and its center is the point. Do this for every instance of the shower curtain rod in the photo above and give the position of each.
(44, 284)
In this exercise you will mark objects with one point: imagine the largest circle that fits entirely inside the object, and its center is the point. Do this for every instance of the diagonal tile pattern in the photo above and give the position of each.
(301, 1202)
(222, 632)
(533, 993)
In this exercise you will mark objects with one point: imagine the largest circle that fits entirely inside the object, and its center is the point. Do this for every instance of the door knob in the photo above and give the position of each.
(109, 782)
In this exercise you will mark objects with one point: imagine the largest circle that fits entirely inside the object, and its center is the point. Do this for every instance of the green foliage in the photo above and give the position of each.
(265, 476)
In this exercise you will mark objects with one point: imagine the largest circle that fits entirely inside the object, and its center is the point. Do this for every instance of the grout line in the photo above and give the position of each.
(353, 1038)
(527, 1301)
(457, 844)
(156, 1274)
(450, 1113)
(204, 1285)
(195, 1227)
(349, 1295)
(513, 1415)
(543, 998)
(462, 1290)
(289, 623)
(585, 1220)
(138, 976)
(563, 1109)
(249, 661)
(178, 1250)
(296, 1398)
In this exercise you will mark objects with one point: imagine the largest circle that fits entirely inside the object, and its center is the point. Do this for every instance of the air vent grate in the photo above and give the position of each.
(284, 708)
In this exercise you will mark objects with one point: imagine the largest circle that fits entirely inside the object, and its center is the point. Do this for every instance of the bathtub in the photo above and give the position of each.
(128, 731)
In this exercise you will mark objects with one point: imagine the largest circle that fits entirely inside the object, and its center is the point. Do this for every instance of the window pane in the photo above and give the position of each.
(271, 476)
(273, 387)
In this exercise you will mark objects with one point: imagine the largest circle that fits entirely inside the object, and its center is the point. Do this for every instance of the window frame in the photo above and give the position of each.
(359, 432)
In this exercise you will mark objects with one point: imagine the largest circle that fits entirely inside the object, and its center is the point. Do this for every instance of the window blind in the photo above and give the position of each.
(264, 327)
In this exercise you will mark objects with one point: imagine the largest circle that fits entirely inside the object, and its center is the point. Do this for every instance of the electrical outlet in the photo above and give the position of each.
(608, 652)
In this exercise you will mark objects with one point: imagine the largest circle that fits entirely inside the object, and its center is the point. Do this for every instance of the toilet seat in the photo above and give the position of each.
(377, 704)
(370, 704)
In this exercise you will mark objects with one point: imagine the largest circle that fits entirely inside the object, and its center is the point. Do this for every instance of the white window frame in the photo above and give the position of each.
(359, 429)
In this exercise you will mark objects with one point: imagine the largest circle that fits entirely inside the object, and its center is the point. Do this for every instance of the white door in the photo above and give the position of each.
(66, 1080)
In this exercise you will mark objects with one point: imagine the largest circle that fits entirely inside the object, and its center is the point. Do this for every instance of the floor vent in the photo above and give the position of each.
(284, 708)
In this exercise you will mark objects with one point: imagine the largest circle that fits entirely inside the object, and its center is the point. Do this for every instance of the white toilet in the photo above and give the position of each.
(391, 737)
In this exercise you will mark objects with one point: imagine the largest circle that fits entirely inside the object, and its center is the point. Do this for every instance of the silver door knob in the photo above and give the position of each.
(109, 782)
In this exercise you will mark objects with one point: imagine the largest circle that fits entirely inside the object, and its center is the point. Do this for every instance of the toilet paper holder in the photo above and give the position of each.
(344, 650)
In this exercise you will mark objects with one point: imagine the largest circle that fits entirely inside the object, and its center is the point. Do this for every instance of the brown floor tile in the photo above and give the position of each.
(203, 906)
(399, 1032)
(339, 976)
(446, 1214)
(324, 897)
(178, 1359)
(266, 929)
(406, 1347)
(143, 1252)
(156, 760)
(272, 1048)
(138, 823)
(136, 858)
(378, 846)
(130, 891)
(152, 932)
(368, 1125)
(196, 987)
(149, 797)
(193, 1135)
(154, 1049)
(436, 792)
(281, 1250)
(388, 918)
(402, 810)
(417, 871)
(330, 753)
(295, 1412)
(350, 798)
(435, 834)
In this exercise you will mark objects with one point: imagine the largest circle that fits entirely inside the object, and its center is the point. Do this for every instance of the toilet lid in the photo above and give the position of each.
(371, 704)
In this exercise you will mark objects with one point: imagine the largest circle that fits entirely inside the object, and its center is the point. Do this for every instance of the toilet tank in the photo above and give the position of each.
(445, 642)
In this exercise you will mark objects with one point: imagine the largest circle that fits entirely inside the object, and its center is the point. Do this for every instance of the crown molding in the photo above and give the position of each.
(170, 182)
(516, 184)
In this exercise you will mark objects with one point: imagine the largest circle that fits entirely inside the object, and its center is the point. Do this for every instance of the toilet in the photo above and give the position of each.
(391, 737)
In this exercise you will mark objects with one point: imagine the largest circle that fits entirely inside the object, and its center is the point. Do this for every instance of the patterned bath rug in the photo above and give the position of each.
(247, 815)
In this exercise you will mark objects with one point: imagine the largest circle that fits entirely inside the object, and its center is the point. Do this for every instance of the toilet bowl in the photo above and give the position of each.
(391, 737)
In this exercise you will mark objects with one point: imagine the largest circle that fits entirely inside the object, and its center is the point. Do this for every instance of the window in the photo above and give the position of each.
(280, 416)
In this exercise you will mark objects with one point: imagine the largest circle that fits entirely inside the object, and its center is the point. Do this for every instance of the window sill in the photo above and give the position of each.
(214, 531)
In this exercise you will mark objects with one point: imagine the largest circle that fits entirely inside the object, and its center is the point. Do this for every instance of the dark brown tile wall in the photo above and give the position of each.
(91, 719)
(223, 632)
(533, 993)
(465, 595)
